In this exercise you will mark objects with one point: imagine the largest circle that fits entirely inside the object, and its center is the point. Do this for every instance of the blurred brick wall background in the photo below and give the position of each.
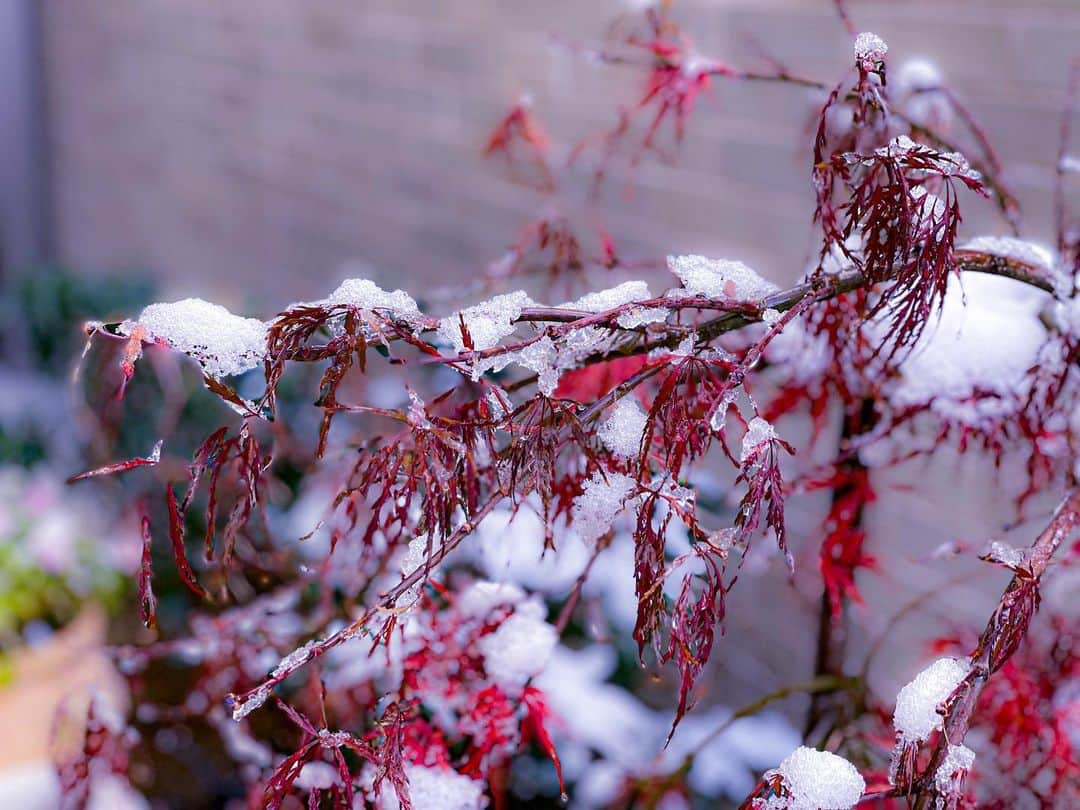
(244, 151)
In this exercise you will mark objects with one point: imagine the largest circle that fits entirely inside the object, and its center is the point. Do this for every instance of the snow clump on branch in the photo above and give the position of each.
(816, 780)
(718, 278)
(224, 344)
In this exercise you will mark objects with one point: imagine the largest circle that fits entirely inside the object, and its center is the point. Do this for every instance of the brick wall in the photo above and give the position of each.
(246, 154)
(246, 150)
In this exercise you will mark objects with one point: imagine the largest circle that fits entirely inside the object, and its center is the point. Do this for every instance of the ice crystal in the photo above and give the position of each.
(771, 317)
(819, 780)
(488, 322)
(719, 278)
(242, 708)
(296, 658)
(603, 498)
(916, 714)
(604, 300)
(870, 48)
(758, 432)
(641, 316)
(622, 432)
(364, 293)
(958, 761)
(224, 344)
(1003, 553)
(520, 648)
(415, 556)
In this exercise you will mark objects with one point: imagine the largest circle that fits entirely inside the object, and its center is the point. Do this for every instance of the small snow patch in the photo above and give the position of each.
(870, 49)
(596, 508)
(488, 322)
(718, 278)
(758, 433)
(916, 714)
(819, 780)
(224, 344)
(622, 432)
(520, 648)
(604, 300)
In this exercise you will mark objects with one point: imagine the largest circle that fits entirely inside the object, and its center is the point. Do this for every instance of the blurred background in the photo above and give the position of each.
(255, 154)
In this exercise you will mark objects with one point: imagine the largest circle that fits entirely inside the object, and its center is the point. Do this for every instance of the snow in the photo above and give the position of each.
(917, 74)
(758, 432)
(771, 317)
(718, 278)
(604, 300)
(870, 48)
(243, 708)
(488, 322)
(624, 428)
(481, 597)
(435, 788)
(948, 164)
(917, 83)
(1011, 247)
(317, 775)
(520, 648)
(1003, 553)
(595, 509)
(641, 316)
(958, 761)
(296, 658)
(224, 344)
(984, 348)
(366, 294)
(819, 780)
(548, 359)
(916, 714)
(542, 358)
(415, 556)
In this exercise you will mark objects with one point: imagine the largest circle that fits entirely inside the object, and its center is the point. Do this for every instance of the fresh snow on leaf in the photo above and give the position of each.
(1011, 247)
(520, 648)
(641, 316)
(948, 164)
(870, 48)
(415, 556)
(718, 278)
(434, 787)
(224, 344)
(365, 294)
(488, 322)
(482, 597)
(604, 300)
(916, 715)
(622, 432)
(818, 780)
(758, 433)
(984, 346)
(958, 761)
(317, 775)
(603, 498)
